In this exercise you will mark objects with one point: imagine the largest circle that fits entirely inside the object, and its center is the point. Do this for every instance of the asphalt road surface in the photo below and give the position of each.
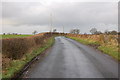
(70, 59)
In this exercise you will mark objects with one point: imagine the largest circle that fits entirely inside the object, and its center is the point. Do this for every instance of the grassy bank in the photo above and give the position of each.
(17, 65)
(13, 36)
(109, 49)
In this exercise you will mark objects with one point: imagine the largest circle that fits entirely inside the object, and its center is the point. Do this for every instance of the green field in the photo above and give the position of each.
(12, 36)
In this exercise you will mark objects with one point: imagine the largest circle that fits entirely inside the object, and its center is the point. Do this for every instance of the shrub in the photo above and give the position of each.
(15, 48)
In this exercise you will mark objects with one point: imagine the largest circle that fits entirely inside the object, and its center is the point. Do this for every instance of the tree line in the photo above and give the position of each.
(77, 31)
(95, 31)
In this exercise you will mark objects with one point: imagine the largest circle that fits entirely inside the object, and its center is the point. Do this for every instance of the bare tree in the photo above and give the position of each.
(72, 31)
(3, 33)
(118, 33)
(106, 32)
(34, 32)
(75, 31)
(93, 30)
(114, 32)
(98, 32)
(54, 30)
(111, 32)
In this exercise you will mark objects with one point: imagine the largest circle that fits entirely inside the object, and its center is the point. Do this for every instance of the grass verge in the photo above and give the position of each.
(17, 65)
(85, 41)
(111, 50)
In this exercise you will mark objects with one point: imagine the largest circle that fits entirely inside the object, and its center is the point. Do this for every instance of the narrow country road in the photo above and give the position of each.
(70, 59)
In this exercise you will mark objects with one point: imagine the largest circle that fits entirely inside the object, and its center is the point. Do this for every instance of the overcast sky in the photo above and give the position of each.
(25, 17)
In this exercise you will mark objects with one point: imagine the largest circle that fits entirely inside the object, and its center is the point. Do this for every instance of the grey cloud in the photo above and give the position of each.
(82, 15)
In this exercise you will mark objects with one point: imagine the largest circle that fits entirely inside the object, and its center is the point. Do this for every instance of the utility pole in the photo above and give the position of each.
(51, 22)
(63, 29)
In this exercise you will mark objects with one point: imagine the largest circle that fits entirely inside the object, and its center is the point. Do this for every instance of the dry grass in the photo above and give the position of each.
(14, 66)
(108, 44)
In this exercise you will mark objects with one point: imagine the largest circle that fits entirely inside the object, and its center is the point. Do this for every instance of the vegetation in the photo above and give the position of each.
(17, 64)
(85, 41)
(111, 32)
(75, 31)
(16, 52)
(110, 50)
(107, 44)
(34, 32)
(13, 36)
(95, 31)
(54, 30)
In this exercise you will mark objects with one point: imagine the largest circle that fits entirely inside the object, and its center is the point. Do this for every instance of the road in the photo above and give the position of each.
(70, 59)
